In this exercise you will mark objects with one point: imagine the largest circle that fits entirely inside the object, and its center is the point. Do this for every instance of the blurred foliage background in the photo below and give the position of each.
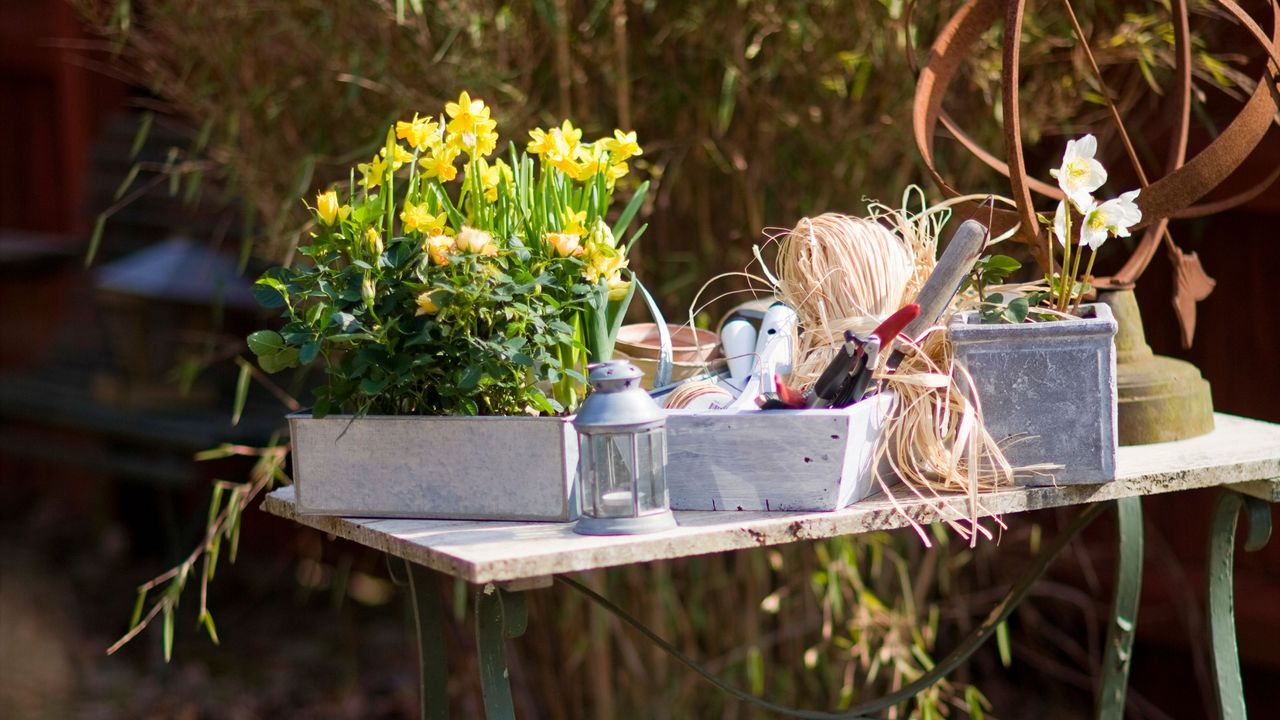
(752, 114)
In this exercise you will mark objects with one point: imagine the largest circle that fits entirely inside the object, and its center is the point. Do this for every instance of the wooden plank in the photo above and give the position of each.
(1237, 451)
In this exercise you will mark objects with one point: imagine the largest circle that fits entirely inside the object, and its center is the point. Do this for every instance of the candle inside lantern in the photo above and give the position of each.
(616, 503)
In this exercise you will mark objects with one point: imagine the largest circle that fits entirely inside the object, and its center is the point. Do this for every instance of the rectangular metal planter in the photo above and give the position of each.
(478, 468)
(777, 460)
(1048, 390)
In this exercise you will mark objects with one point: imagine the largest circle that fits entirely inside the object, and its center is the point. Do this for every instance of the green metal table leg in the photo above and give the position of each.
(1228, 686)
(499, 615)
(428, 615)
(1124, 610)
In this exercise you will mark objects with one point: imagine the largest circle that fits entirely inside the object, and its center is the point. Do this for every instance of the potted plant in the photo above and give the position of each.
(453, 301)
(1039, 362)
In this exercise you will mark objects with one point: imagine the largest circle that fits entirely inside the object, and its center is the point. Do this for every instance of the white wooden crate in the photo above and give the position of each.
(773, 460)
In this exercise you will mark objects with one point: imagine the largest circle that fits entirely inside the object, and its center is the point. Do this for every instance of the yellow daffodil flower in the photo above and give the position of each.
(492, 176)
(418, 218)
(374, 239)
(540, 142)
(574, 222)
(402, 156)
(420, 133)
(329, 210)
(622, 146)
(471, 240)
(373, 171)
(427, 304)
(617, 286)
(465, 113)
(617, 171)
(603, 265)
(438, 247)
(565, 244)
(440, 163)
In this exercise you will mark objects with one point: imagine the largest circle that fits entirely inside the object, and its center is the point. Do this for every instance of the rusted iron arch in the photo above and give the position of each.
(1170, 196)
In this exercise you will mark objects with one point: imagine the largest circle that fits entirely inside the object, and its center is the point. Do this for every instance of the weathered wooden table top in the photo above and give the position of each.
(1240, 452)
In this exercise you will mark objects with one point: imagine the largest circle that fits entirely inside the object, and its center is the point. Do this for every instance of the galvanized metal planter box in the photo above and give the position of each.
(1049, 389)
(479, 468)
(777, 460)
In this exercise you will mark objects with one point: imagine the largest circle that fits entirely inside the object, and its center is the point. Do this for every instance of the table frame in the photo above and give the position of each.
(1241, 456)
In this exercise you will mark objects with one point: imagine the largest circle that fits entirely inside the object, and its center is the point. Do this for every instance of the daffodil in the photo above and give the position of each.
(603, 265)
(439, 164)
(420, 133)
(540, 142)
(438, 247)
(427, 304)
(574, 222)
(374, 240)
(329, 210)
(492, 176)
(617, 286)
(465, 113)
(373, 171)
(1113, 217)
(565, 244)
(471, 240)
(417, 218)
(402, 156)
(1080, 174)
(622, 146)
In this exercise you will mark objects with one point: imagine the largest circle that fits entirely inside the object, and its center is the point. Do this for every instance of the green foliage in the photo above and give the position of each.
(493, 292)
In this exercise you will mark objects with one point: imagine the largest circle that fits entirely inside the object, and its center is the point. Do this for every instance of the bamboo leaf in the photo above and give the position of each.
(242, 390)
(140, 137)
(168, 632)
(95, 239)
(127, 182)
(206, 619)
(138, 604)
(1002, 644)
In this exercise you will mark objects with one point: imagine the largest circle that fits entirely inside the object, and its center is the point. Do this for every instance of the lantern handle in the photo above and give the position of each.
(664, 336)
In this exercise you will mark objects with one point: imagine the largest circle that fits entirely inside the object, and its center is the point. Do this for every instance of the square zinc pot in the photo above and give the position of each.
(414, 466)
(1047, 389)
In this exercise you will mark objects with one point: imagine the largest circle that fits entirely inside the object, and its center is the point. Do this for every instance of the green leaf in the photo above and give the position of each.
(281, 360)
(265, 342)
(470, 378)
(308, 352)
(269, 292)
(371, 386)
(1017, 310)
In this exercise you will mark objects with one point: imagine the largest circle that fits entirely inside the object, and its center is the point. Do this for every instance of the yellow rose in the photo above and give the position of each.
(328, 209)
(374, 238)
(565, 244)
(438, 247)
(471, 240)
(426, 304)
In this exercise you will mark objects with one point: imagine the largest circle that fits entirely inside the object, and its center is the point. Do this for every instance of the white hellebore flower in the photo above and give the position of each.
(1080, 174)
(1113, 217)
(1060, 220)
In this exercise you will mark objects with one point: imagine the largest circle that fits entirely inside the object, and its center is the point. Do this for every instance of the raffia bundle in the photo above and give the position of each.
(839, 273)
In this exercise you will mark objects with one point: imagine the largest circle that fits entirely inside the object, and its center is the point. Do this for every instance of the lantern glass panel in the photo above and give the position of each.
(613, 473)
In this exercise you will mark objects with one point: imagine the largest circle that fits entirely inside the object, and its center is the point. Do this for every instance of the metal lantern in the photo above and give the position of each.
(622, 456)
